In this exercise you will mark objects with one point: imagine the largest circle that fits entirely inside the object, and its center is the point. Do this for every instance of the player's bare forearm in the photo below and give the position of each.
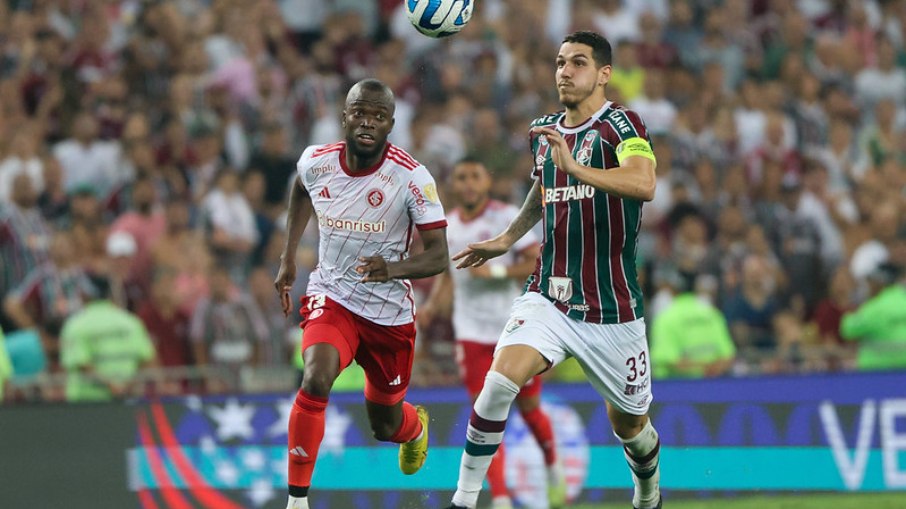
(635, 179)
(528, 215)
(432, 260)
(441, 297)
(300, 209)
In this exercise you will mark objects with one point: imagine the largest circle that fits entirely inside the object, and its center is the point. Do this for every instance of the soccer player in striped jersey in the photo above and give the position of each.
(368, 195)
(474, 298)
(593, 168)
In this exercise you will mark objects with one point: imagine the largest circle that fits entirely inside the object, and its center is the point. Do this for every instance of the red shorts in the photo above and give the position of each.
(475, 360)
(385, 352)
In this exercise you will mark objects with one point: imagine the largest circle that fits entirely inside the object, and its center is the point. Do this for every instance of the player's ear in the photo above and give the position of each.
(343, 119)
(604, 74)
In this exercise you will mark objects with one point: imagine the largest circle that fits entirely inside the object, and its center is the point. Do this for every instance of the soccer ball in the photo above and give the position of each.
(439, 18)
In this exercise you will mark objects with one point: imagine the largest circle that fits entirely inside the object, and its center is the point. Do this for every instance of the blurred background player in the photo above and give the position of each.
(367, 194)
(583, 299)
(475, 297)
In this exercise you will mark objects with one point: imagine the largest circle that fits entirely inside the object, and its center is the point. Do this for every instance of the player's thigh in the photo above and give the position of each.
(327, 322)
(531, 340)
(474, 360)
(615, 360)
(386, 353)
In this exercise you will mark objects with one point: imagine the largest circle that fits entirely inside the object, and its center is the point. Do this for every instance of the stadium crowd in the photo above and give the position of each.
(150, 144)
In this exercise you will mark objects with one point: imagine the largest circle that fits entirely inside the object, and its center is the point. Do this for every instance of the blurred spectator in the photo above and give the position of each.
(884, 80)
(229, 218)
(750, 310)
(879, 324)
(146, 223)
(24, 234)
(85, 221)
(652, 104)
(690, 338)
(829, 313)
(627, 78)
(50, 292)
(276, 350)
(126, 291)
(883, 224)
(189, 272)
(798, 243)
(22, 159)
(103, 348)
(651, 49)
(167, 325)
(227, 328)
(86, 159)
(273, 161)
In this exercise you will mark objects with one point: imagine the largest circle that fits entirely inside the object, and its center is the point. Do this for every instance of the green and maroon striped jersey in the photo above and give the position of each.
(587, 264)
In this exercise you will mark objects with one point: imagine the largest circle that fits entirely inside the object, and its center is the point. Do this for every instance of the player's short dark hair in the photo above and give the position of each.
(601, 51)
(469, 159)
(374, 85)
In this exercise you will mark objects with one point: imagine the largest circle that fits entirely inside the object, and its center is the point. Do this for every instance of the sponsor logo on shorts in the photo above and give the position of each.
(316, 313)
(513, 324)
(633, 389)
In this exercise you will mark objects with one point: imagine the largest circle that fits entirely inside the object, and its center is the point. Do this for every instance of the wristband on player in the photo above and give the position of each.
(498, 271)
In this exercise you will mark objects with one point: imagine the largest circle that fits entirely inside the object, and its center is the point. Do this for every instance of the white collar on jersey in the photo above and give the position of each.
(585, 125)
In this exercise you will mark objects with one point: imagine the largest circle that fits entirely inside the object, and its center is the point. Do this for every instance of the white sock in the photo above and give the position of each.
(484, 435)
(643, 453)
(297, 503)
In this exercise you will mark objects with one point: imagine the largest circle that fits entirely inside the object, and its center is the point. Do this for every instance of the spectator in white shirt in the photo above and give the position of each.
(652, 104)
(230, 220)
(882, 81)
(23, 158)
(87, 159)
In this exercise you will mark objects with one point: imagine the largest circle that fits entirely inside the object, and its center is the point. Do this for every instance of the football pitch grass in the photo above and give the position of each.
(804, 501)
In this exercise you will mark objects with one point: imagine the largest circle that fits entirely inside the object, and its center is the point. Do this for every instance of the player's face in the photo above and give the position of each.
(577, 75)
(471, 184)
(367, 120)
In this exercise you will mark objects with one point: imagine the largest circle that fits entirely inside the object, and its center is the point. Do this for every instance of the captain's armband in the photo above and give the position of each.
(634, 147)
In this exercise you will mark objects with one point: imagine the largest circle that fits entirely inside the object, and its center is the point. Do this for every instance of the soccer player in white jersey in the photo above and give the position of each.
(475, 297)
(594, 167)
(367, 195)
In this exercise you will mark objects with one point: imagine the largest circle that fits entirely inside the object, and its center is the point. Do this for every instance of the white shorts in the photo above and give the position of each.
(614, 357)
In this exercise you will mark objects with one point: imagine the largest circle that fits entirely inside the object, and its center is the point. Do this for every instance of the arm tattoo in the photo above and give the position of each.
(529, 214)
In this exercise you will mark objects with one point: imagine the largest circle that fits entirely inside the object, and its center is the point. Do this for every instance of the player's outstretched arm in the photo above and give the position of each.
(635, 178)
(300, 209)
(432, 260)
(476, 254)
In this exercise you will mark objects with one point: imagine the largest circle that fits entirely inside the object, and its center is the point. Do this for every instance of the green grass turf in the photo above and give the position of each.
(822, 501)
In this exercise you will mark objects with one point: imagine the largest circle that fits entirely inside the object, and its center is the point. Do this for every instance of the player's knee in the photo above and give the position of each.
(317, 382)
(627, 426)
(383, 431)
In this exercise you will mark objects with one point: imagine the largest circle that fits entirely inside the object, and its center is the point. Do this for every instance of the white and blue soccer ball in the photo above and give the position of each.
(439, 18)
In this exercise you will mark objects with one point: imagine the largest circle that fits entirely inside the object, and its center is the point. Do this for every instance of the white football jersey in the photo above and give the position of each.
(366, 214)
(481, 306)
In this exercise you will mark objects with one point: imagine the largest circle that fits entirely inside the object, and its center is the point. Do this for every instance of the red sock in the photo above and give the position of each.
(497, 474)
(410, 427)
(540, 424)
(306, 429)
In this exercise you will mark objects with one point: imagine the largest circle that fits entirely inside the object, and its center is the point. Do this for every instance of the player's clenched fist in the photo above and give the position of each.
(284, 284)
